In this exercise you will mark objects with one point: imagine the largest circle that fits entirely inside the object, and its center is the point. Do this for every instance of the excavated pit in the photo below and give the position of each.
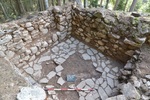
(91, 67)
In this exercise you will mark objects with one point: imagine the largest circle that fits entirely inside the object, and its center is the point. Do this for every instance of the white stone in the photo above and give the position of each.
(5, 39)
(90, 52)
(115, 69)
(86, 56)
(81, 84)
(51, 74)
(31, 93)
(60, 81)
(44, 44)
(32, 58)
(44, 31)
(54, 37)
(81, 51)
(108, 90)
(95, 64)
(103, 64)
(101, 55)
(99, 69)
(72, 46)
(102, 93)
(27, 52)
(93, 58)
(104, 75)
(44, 58)
(28, 24)
(30, 28)
(59, 73)
(55, 49)
(107, 62)
(44, 80)
(90, 82)
(107, 69)
(37, 67)
(94, 51)
(29, 70)
(110, 82)
(130, 91)
(59, 68)
(60, 60)
(104, 84)
(37, 74)
(34, 50)
(99, 81)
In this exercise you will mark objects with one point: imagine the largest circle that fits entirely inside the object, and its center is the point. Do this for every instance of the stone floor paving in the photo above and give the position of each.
(104, 85)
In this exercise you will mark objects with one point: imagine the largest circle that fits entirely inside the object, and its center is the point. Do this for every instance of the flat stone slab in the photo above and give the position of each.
(59, 68)
(90, 82)
(86, 56)
(29, 70)
(102, 93)
(51, 74)
(60, 81)
(44, 80)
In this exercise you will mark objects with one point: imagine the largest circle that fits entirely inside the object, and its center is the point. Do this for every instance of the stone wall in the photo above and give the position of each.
(115, 34)
(22, 41)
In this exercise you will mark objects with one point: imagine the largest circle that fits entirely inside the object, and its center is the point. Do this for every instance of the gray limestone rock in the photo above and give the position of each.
(54, 37)
(51, 74)
(90, 82)
(130, 92)
(44, 80)
(86, 56)
(102, 93)
(59, 68)
(60, 81)
(81, 84)
(34, 50)
(28, 24)
(29, 70)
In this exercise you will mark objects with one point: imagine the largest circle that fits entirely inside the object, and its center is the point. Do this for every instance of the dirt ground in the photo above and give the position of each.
(10, 82)
(75, 65)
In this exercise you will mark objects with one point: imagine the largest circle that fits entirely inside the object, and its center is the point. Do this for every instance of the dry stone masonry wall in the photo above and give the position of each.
(115, 34)
(22, 41)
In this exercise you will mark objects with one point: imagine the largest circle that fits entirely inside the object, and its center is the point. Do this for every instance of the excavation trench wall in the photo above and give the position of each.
(115, 34)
